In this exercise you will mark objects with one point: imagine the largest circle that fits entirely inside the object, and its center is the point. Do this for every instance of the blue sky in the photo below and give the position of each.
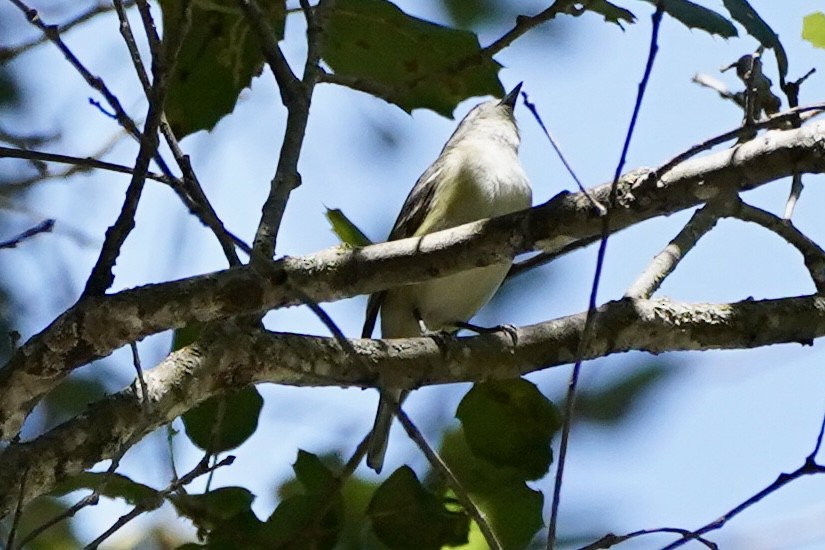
(724, 425)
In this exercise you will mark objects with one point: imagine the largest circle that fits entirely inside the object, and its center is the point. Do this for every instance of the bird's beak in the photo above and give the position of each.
(510, 99)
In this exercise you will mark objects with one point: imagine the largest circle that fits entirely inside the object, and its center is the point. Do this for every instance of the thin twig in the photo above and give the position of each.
(89, 500)
(53, 34)
(810, 467)
(163, 61)
(288, 83)
(610, 540)
(719, 87)
(532, 107)
(87, 162)
(18, 511)
(102, 276)
(191, 192)
(43, 227)
(202, 468)
(546, 257)
(524, 24)
(666, 261)
(144, 390)
(8, 53)
(769, 122)
(569, 405)
(26, 141)
(446, 473)
(813, 255)
(412, 431)
(131, 45)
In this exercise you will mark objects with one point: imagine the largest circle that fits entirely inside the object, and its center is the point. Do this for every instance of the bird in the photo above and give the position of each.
(477, 175)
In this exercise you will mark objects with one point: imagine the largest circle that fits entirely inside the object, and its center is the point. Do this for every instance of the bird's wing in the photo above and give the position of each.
(373, 305)
(416, 205)
(409, 220)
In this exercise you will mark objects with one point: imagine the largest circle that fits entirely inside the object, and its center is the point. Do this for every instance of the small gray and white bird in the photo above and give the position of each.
(477, 175)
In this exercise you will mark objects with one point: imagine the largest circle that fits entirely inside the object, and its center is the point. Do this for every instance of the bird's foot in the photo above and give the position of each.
(511, 330)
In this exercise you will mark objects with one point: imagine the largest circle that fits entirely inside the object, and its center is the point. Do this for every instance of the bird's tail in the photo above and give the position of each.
(380, 435)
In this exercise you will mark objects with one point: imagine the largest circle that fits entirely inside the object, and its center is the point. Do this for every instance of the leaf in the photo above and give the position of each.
(225, 421)
(612, 404)
(71, 398)
(312, 473)
(405, 60)
(218, 59)
(467, 13)
(746, 16)
(405, 515)
(510, 423)
(186, 335)
(610, 12)
(115, 486)
(60, 536)
(313, 519)
(347, 231)
(242, 530)
(304, 521)
(513, 509)
(208, 510)
(694, 16)
(813, 29)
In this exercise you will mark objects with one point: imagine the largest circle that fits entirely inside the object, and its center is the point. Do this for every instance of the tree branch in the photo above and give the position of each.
(296, 96)
(8, 53)
(10, 152)
(95, 327)
(232, 358)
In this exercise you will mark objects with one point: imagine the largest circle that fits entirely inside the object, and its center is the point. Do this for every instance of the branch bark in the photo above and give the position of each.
(98, 325)
(233, 357)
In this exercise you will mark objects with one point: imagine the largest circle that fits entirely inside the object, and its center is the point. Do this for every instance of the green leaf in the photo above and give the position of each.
(210, 509)
(225, 421)
(312, 473)
(467, 13)
(694, 16)
(186, 335)
(610, 12)
(242, 530)
(405, 60)
(116, 486)
(405, 516)
(513, 509)
(305, 521)
(612, 404)
(218, 59)
(312, 519)
(746, 16)
(510, 423)
(60, 536)
(71, 398)
(347, 231)
(813, 29)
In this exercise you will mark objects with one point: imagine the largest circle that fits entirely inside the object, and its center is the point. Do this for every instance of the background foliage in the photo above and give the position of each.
(413, 57)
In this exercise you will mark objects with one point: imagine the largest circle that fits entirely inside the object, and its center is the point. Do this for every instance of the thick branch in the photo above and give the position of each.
(96, 326)
(234, 359)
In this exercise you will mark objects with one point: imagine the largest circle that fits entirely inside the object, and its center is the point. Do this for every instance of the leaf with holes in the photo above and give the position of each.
(375, 47)
(219, 57)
